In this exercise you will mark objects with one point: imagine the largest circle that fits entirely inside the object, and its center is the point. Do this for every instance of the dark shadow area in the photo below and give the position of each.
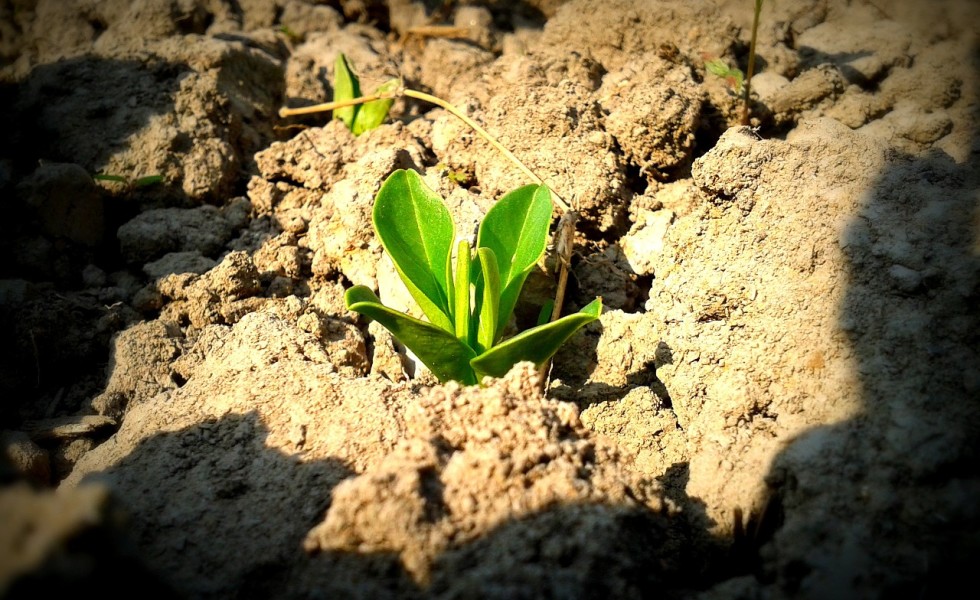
(60, 127)
(211, 512)
(66, 283)
(674, 482)
(885, 504)
(575, 551)
(210, 507)
(811, 57)
(567, 551)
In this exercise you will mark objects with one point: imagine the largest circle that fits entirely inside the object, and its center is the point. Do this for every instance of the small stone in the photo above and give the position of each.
(27, 458)
(191, 261)
(905, 279)
(93, 276)
(67, 202)
(645, 241)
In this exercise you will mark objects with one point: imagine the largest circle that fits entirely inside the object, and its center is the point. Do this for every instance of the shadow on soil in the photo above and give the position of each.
(886, 501)
(193, 494)
(60, 127)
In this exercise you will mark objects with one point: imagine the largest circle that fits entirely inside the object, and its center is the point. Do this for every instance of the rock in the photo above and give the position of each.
(653, 109)
(281, 429)
(190, 109)
(154, 233)
(191, 261)
(626, 29)
(68, 541)
(67, 202)
(93, 276)
(609, 275)
(861, 44)
(476, 461)
(139, 366)
(910, 127)
(28, 459)
(645, 240)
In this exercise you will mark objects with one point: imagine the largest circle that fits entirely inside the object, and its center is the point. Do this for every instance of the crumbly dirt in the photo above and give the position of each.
(780, 399)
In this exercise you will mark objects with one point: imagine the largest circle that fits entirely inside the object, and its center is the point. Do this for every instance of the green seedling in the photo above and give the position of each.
(732, 75)
(457, 177)
(740, 82)
(565, 231)
(131, 183)
(346, 87)
(468, 301)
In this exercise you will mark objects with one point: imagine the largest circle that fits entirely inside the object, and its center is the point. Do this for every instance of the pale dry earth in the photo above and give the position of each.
(780, 400)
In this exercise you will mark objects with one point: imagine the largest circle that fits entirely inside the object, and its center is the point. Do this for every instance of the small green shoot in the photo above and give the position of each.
(732, 75)
(139, 182)
(468, 302)
(457, 177)
(290, 34)
(346, 87)
(741, 83)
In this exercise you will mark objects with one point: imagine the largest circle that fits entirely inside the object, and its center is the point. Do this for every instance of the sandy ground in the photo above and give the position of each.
(780, 399)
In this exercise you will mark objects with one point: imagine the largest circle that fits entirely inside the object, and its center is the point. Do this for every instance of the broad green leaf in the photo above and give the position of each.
(345, 87)
(438, 349)
(373, 113)
(488, 300)
(417, 231)
(516, 229)
(537, 344)
(461, 308)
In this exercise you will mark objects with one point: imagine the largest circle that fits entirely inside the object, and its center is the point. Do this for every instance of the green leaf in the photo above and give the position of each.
(148, 180)
(717, 66)
(461, 308)
(345, 87)
(733, 75)
(736, 79)
(373, 113)
(544, 315)
(516, 230)
(438, 349)
(417, 231)
(488, 300)
(537, 344)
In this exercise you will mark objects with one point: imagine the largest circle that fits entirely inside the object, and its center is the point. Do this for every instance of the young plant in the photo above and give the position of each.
(346, 87)
(733, 76)
(741, 83)
(468, 301)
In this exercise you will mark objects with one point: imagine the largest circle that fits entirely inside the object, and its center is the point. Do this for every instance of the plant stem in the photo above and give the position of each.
(564, 240)
(751, 69)
(328, 106)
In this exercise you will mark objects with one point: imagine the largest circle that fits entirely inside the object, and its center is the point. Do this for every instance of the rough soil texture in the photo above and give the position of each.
(780, 400)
